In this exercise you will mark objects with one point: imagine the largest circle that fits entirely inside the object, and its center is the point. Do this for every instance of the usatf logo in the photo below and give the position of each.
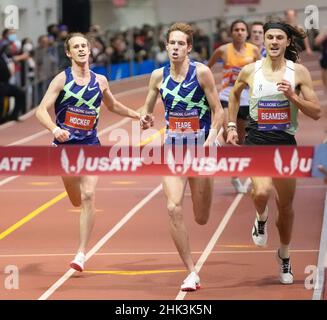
(66, 165)
(15, 163)
(303, 164)
(207, 165)
(102, 164)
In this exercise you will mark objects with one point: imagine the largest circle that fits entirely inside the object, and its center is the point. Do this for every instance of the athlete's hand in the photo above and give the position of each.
(285, 87)
(146, 121)
(61, 135)
(232, 137)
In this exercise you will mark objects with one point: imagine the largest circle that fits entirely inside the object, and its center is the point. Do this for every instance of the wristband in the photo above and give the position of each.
(55, 130)
(231, 124)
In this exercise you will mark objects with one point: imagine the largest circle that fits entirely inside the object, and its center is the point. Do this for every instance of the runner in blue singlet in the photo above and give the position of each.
(193, 115)
(76, 94)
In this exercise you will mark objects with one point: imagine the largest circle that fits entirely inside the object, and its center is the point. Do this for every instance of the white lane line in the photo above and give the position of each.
(29, 138)
(102, 241)
(204, 256)
(322, 258)
(33, 255)
(7, 180)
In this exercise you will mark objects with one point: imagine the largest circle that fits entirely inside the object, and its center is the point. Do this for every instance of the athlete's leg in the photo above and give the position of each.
(201, 190)
(174, 188)
(261, 189)
(88, 184)
(73, 189)
(285, 189)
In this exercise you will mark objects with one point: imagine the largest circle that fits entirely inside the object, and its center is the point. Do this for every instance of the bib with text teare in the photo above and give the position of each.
(187, 120)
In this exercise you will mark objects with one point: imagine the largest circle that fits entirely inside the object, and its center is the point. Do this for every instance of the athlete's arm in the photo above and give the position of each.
(48, 101)
(207, 83)
(309, 104)
(112, 104)
(217, 54)
(151, 99)
(234, 101)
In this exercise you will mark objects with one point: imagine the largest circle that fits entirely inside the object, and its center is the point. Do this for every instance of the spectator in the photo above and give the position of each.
(7, 89)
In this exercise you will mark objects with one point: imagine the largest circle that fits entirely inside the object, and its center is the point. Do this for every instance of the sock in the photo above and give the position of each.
(263, 216)
(283, 251)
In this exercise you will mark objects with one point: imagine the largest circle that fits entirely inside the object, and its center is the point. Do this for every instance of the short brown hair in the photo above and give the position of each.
(183, 27)
(75, 34)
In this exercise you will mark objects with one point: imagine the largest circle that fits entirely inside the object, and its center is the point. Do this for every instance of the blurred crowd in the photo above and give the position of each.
(27, 68)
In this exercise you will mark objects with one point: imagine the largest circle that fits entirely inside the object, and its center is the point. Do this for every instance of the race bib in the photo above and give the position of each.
(180, 121)
(274, 115)
(81, 119)
(230, 75)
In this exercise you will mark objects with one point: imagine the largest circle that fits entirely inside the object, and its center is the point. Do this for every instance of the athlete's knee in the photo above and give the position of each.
(88, 195)
(261, 194)
(174, 210)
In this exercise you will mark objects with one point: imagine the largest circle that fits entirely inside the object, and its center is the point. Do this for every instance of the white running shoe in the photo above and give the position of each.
(239, 187)
(191, 283)
(78, 262)
(260, 233)
(285, 270)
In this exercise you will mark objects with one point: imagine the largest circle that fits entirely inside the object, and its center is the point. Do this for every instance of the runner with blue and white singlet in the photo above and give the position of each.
(193, 114)
(77, 94)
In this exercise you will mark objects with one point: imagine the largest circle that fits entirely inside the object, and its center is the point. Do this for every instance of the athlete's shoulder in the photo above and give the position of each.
(301, 71)
(157, 74)
(201, 69)
(249, 68)
(59, 80)
(101, 78)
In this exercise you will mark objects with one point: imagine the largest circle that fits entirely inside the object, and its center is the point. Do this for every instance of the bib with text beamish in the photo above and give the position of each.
(274, 115)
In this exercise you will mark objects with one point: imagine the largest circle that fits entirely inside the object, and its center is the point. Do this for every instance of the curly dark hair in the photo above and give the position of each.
(292, 51)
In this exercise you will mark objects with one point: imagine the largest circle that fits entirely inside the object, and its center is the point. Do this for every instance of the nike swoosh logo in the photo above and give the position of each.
(187, 85)
(91, 88)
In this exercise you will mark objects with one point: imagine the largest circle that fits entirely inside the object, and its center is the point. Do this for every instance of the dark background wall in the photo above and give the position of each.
(76, 14)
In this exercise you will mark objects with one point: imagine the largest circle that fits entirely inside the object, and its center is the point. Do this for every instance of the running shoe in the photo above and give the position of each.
(239, 187)
(259, 233)
(191, 283)
(285, 270)
(78, 262)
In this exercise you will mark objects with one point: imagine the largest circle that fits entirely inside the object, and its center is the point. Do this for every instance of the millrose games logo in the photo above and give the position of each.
(102, 164)
(303, 164)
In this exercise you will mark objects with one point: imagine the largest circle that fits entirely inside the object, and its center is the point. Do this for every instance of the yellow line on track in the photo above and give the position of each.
(59, 197)
(32, 214)
(131, 273)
